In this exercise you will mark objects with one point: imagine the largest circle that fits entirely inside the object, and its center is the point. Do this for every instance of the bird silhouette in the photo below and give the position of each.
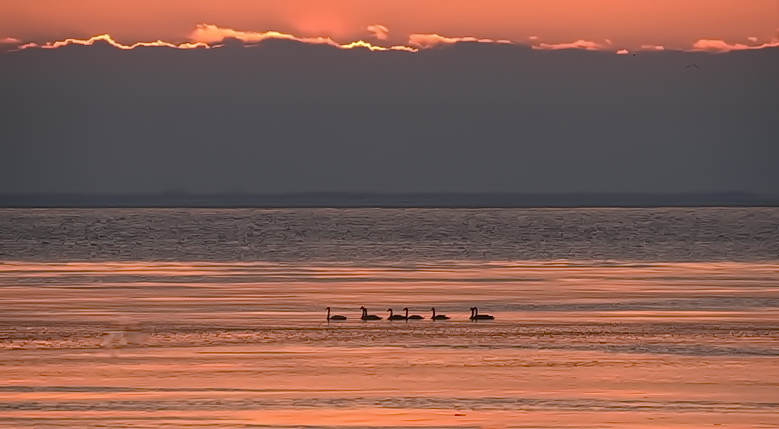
(366, 316)
(413, 316)
(395, 316)
(476, 316)
(439, 316)
(334, 317)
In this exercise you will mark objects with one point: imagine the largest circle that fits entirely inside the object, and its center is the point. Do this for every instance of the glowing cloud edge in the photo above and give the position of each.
(716, 45)
(208, 33)
(108, 39)
(208, 36)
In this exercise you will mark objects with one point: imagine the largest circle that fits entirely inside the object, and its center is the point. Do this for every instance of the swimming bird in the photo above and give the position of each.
(476, 316)
(692, 65)
(413, 316)
(439, 316)
(395, 316)
(334, 317)
(366, 316)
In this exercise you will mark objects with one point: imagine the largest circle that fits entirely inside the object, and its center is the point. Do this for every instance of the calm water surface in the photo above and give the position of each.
(215, 318)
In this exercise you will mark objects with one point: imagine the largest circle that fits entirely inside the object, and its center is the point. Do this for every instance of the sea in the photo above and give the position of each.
(216, 318)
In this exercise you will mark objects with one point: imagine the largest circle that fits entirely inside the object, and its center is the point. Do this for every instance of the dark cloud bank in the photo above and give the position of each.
(158, 125)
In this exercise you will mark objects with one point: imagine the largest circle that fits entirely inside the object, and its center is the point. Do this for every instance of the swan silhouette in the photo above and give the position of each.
(395, 316)
(334, 317)
(413, 316)
(476, 316)
(366, 316)
(440, 316)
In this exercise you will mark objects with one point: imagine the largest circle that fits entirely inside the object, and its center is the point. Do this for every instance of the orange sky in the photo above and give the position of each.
(626, 23)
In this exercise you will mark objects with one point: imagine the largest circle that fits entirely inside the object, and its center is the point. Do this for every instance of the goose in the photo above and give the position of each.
(439, 316)
(334, 317)
(413, 316)
(366, 316)
(395, 316)
(476, 316)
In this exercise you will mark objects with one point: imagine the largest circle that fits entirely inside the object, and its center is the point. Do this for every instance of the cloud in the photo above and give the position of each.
(429, 40)
(384, 123)
(212, 34)
(108, 39)
(208, 36)
(379, 31)
(752, 39)
(716, 45)
(363, 44)
(9, 44)
(588, 45)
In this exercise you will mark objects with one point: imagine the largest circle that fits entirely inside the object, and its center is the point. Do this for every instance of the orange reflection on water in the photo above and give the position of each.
(517, 290)
(574, 344)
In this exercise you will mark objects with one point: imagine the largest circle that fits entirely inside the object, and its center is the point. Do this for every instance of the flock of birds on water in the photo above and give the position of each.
(392, 316)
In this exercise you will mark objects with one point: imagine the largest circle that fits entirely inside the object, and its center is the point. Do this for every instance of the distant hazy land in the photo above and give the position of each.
(335, 199)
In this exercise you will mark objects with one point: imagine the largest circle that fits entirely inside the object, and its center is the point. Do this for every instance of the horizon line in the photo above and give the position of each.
(335, 199)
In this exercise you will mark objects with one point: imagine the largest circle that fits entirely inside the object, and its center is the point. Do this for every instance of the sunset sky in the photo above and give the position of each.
(616, 24)
(389, 96)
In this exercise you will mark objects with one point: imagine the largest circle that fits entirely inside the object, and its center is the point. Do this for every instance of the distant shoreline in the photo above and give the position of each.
(386, 200)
